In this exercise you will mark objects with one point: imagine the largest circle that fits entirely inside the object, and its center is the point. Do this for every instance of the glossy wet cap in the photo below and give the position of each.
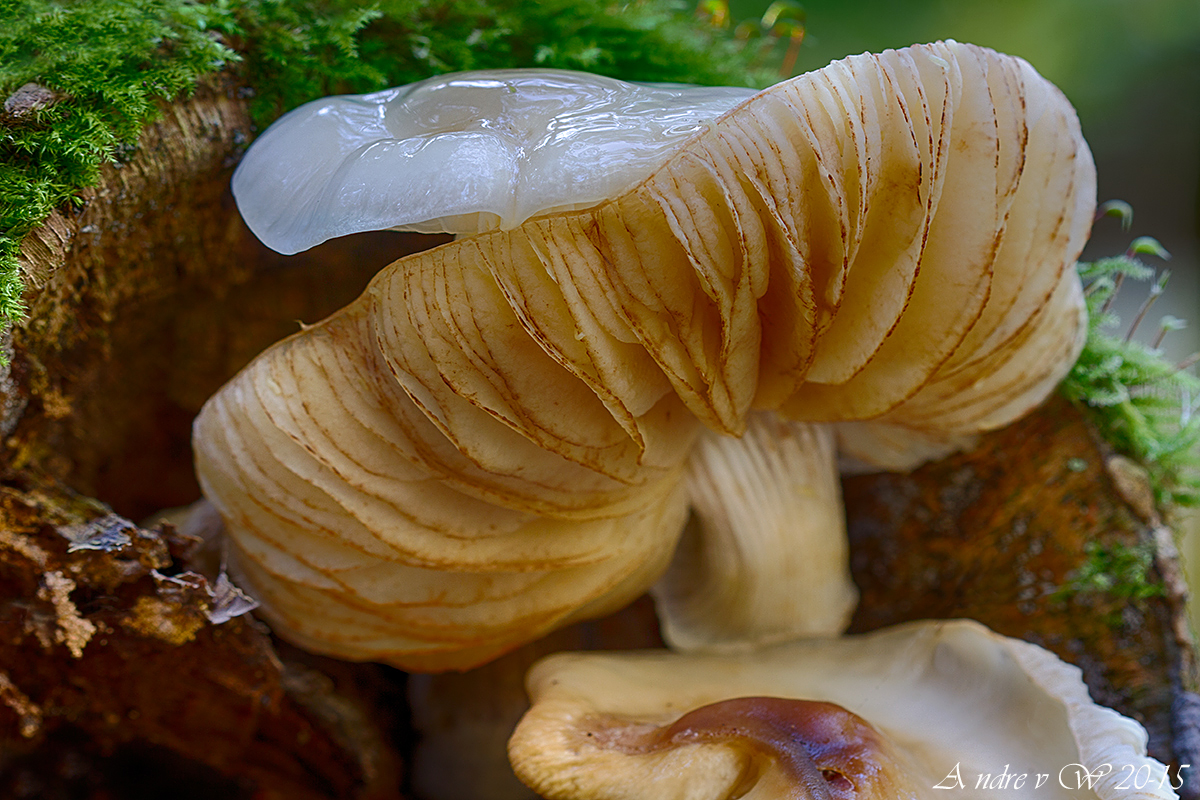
(463, 153)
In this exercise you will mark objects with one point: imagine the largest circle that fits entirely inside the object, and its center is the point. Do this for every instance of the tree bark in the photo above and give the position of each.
(1006, 535)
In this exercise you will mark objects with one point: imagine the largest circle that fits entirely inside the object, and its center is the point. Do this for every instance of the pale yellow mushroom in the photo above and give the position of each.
(493, 439)
(765, 556)
(921, 711)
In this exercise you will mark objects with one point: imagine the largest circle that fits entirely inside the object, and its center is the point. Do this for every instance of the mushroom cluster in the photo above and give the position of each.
(506, 433)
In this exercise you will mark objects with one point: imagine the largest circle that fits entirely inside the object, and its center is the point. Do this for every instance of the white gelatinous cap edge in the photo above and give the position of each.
(463, 153)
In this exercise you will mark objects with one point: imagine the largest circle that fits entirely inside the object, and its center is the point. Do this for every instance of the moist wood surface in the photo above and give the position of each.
(1004, 535)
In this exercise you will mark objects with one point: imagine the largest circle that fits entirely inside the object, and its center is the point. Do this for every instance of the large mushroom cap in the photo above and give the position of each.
(893, 713)
(492, 440)
(462, 153)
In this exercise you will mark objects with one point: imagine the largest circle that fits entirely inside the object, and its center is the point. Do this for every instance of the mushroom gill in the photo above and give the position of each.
(492, 440)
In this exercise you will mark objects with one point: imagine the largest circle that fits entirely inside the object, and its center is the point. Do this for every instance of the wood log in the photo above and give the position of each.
(111, 651)
(149, 296)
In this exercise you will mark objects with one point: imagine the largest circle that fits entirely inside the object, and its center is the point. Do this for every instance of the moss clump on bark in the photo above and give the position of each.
(101, 68)
(1142, 404)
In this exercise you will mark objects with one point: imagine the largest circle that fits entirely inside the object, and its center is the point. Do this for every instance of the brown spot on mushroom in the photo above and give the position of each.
(824, 751)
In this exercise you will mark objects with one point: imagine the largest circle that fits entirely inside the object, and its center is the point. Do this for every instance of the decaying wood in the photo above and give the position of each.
(145, 299)
(109, 646)
(1001, 534)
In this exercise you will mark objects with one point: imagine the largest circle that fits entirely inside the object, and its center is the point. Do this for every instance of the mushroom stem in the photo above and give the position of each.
(764, 557)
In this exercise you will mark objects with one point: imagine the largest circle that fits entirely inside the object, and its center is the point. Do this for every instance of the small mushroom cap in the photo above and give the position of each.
(942, 697)
(462, 153)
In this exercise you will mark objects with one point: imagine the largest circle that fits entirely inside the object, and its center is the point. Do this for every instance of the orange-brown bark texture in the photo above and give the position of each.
(1004, 534)
(118, 676)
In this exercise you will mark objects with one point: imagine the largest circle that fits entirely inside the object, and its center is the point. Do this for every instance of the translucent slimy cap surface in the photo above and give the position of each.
(463, 153)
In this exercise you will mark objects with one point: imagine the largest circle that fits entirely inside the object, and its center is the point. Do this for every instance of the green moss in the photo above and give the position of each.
(1142, 404)
(298, 52)
(1115, 572)
(112, 63)
(1121, 571)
